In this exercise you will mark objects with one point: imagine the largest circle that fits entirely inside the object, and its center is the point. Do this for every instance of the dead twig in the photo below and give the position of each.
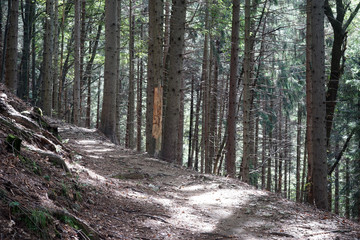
(154, 217)
(328, 232)
(282, 234)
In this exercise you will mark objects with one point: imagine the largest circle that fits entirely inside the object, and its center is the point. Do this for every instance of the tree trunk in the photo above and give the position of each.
(61, 82)
(254, 175)
(303, 176)
(47, 82)
(119, 88)
(205, 164)
(33, 55)
(155, 77)
(196, 128)
(130, 122)
(180, 141)
(263, 153)
(231, 119)
(214, 106)
(317, 133)
(108, 113)
(271, 152)
(172, 115)
(88, 76)
(298, 153)
(1, 42)
(191, 148)
(347, 188)
(23, 88)
(11, 69)
(55, 67)
(280, 147)
(337, 190)
(77, 66)
(337, 54)
(139, 98)
(98, 104)
(285, 159)
(82, 56)
(221, 140)
(309, 186)
(247, 124)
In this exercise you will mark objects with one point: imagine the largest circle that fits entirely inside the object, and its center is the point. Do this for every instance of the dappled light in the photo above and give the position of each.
(171, 202)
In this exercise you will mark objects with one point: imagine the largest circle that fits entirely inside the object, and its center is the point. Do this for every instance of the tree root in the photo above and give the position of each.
(8, 111)
(53, 158)
(65, 216)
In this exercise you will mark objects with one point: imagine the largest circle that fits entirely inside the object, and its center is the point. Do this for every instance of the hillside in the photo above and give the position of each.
(84, 187)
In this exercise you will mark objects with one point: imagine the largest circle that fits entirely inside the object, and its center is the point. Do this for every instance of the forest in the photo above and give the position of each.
(266, 91)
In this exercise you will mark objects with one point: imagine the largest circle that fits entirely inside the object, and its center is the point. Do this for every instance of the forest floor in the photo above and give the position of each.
(114, 193)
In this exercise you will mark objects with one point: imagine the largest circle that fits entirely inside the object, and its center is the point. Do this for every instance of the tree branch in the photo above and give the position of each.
(329, 13)
(352, 16)
(338, 157)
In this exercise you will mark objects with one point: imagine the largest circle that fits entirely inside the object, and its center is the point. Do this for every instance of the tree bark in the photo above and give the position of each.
(47, 82)
(196, 128)
(298, 153)
(82, 56)
(11, 69)
(317, 131)
(172, 115)
(77, 66)
(309, 186)
(55, 70)
(155, 77)
(108, 113)
(231, 119)
(303, 176)
(119, 88)
(139, 98)
(23, 88)
(337, 54)
(263, 153)
(247, 123)
(130, 122)
(1, 42)
(347, 188)
(191, 148)
(337, 191)
(33, 54)
(88, 76)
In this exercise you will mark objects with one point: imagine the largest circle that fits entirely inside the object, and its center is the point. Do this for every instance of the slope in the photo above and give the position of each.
(85, 187)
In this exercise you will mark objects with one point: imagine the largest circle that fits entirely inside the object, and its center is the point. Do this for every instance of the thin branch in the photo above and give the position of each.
(352, 16)
(338, 157)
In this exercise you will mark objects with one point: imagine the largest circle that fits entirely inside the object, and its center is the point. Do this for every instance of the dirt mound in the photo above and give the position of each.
(67, 182)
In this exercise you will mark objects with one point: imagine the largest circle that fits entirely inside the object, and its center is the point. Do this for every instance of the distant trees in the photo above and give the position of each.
(225, 89)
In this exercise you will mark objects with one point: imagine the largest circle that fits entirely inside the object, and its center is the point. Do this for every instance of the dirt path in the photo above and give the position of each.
(131, 196)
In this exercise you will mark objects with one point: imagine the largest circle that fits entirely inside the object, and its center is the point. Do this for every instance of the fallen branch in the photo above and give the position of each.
(154, 217)
(282, 234)
(328, 232)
